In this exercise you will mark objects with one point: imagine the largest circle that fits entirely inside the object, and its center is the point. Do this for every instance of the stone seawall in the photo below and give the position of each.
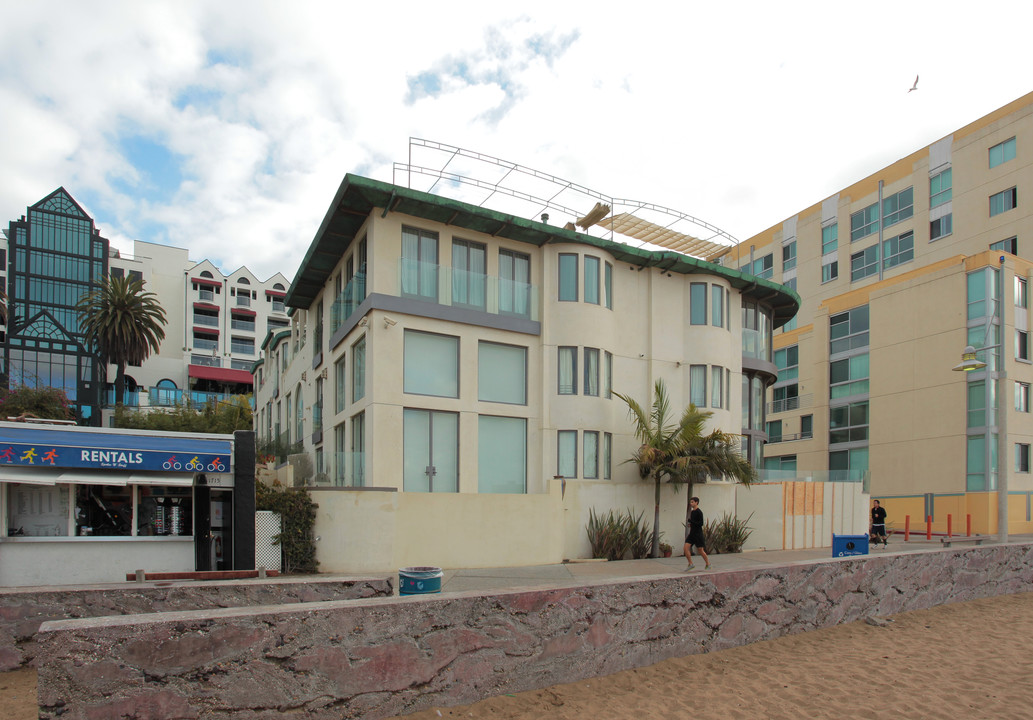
(23, 610)
(377, 658)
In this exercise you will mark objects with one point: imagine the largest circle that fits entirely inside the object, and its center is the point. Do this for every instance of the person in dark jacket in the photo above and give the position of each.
(695, 537)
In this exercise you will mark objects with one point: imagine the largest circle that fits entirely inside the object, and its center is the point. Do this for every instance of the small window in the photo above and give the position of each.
(829, 238)
(1002, 152)
(1022, 397)
(940, 188)
(1011, 245)
(789, 256)
(567, 371)
(592, 280)
(568, 277)
(1022, 457)
(243, 281)
(1003, 202)
(941, 227)
(1021, 345)
(1021, 297)
(829, 271)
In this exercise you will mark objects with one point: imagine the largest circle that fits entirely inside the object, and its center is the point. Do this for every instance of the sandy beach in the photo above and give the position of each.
(968, 660)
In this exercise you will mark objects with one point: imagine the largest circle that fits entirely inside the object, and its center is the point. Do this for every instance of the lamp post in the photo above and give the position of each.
(970, 363)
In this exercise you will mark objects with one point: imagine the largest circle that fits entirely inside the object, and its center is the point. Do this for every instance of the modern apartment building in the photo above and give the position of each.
(898, 273)
(216, 322)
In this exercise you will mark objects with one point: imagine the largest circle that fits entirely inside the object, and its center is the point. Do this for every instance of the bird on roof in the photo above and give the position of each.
(915, 86)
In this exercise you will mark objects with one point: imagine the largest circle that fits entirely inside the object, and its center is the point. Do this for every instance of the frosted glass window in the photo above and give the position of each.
(501, 373)
(592, 371)
(591, 279)
(568, 277)
(567, 371)
(698, 385)
(591, 443)
(431, 364)
(608, 285)
(608, 374)
(430, 451)
(607, 454)
(501, 454)
(717, 377)
(566, 453)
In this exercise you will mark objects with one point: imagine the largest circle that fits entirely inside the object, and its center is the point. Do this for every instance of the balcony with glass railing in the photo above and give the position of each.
(347, 301)
(242, 324)
(207, 320)
(206, 360)
(205, 344)
(443, 285)
(172, 397)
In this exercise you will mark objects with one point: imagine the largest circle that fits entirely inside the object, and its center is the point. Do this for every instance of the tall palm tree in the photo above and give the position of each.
(661, 453)
(124, 323)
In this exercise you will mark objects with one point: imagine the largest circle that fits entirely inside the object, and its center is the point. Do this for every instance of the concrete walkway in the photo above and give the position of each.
(565, 574)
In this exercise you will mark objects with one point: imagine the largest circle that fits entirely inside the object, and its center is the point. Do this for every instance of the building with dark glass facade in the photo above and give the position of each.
(55, 255)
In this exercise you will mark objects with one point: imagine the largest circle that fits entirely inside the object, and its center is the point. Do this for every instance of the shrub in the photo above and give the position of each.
(616, 534)
(727, 535)
(297, 518)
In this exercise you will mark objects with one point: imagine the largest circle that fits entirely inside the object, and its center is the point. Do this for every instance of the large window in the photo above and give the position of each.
(359, 369)
(898, 250)
(591, 279)
(864, 263)
(898, 207)
(848, 423)
(1002, 152)
(1003, 201)
(568, 277)
(567, 371)
(501, 373)
(566, 453)
(864, 222)
(420, 264)
(430, 455)
(501, 454)
(940, 188)
(431, 364)
(848, 376)
(468, 273)
(848, 330)
(698, 303)
(514, 283)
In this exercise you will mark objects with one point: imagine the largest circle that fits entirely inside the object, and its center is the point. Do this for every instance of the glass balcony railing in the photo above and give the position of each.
(209, 320)
(462, 288)
(349, 469)
(348, 300)
(245, 325)
(130, 399)
(202, 344)
(171, 397)
(206, 360)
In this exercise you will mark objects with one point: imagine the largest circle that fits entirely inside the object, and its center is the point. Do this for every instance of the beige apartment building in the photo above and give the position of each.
(451, 372)
(898, 273)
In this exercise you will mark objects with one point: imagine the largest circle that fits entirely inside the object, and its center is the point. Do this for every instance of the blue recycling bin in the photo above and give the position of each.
(845, 545)
(419, 580)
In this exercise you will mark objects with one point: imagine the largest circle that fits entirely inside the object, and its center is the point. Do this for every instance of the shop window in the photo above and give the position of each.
(37, 510)
(103, 510)
(164, 510)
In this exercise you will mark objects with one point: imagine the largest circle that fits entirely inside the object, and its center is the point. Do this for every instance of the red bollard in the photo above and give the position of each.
(928, 527)
(949, 525)
(968, 525)
(907, 528)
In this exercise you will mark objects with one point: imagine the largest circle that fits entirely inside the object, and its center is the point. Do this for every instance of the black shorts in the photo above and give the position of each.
(879, 530)
(695, 540)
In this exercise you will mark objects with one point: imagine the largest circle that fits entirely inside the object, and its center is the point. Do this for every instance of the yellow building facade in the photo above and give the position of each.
(898, 273)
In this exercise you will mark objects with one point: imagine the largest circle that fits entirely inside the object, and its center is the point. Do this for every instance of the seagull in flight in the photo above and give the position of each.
(915, 86)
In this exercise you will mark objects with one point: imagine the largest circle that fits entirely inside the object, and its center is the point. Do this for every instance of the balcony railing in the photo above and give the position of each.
(130, 399)
(206, 360)
(242, 348)
(787, 404)
(171, 397)
(246, 325)
(461, 288)
(347, 301)
(209, 320)
(201, 344)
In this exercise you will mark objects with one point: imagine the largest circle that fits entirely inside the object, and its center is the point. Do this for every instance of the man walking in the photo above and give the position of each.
(695, 537)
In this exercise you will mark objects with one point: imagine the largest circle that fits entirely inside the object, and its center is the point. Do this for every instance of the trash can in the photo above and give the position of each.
(419, 580)
(844, 545)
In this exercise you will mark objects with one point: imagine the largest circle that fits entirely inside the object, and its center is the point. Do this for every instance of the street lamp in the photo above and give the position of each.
(969, 363)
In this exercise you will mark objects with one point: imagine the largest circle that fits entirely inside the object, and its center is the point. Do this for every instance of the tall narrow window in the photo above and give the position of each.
(698, 385)
(608, 285)
(1020, 292)
(514, 283)
(420, 263)
(591, 279)
(829, 238)
(359, 450)
(567, 371)
(717, 375)
(607, 452)
(592, 371)
(340, 383)
(590, 439)
(940, 188)
(468, 273)
(566, 453)
(568, 277)
(698, 303)
(359, 369)
(789, 256)
(608, 375)
(1022, 397)
(717, 306)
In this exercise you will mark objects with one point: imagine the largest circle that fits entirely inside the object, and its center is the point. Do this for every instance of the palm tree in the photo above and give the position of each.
(713, 455)
(661, 453)
(124, 323)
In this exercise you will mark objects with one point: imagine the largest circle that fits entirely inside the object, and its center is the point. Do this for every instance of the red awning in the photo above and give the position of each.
(276, 293)
(206, 281)
(243, 311)
(227, 375)
(205, 330)
(205, 306)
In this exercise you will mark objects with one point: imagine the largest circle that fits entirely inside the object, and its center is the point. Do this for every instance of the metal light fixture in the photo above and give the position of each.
(969, 362)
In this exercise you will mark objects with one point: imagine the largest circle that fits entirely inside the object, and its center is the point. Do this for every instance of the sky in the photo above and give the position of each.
(226, 127)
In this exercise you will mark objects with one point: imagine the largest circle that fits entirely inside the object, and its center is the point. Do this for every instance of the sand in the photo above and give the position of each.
(966, 660)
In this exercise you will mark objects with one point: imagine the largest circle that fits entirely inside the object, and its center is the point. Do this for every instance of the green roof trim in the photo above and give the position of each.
(272, 339)
(357, 197)
(257, 364)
